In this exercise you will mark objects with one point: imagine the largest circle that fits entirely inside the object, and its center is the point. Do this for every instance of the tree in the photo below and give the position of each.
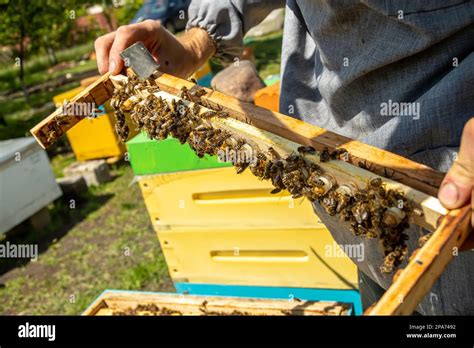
(13, 29)
(31, 26)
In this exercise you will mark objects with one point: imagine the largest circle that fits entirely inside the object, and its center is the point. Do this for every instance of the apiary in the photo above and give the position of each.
(121, 303)
(375, 193)
(28, 182)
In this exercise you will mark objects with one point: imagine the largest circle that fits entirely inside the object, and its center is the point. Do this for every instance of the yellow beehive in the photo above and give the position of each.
(221, 228)
(204, 70)
(221, 197)
(93, 138)
(297, 256)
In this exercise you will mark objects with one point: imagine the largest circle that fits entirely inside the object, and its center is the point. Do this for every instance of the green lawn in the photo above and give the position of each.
(267, 51)
(20, 116)
(107, 242)
(36, 67)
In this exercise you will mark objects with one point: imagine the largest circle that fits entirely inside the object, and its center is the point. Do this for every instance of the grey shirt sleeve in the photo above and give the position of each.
(227, 21)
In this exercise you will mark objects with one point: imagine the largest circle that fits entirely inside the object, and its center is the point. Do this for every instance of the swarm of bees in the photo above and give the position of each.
(154, 310)
(371, 211)
(147, 310)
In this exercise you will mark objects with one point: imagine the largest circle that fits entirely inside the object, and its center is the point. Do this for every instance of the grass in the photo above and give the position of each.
(97, 246)
(267, 52)
(35, 67)
(61, 161)
(20, 116)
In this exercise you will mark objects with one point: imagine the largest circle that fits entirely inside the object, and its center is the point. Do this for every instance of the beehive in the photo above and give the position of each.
(269, 97)
(113, 302)
(27, 181)
(203, 215)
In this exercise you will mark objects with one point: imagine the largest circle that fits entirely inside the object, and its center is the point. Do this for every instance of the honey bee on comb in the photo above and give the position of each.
(325, 155)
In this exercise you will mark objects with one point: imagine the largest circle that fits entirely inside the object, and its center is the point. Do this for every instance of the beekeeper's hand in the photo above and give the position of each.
(458, 184)
(177, 56)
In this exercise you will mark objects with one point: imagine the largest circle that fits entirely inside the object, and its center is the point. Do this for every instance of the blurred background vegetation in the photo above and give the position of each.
(46, 47)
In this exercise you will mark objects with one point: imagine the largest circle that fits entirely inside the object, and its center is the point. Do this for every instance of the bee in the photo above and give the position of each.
(314, 169)
(354, 227)
(343, 200)
(273, 153)
(52, 135)
(222, 114)
(374, 183)
(184, 93)
(306, 149)
(199, 93)
(361, 212)
(293, 162)
(340, 154)
(423, 239)
(361, 196)
(293, 182)
(195, 109)
(324, 156)
(209, 114)
(61, 120)
(258, 166)
(329, 203)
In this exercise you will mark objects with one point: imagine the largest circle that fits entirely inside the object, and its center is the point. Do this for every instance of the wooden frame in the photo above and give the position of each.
(112, 301)
(266, 128)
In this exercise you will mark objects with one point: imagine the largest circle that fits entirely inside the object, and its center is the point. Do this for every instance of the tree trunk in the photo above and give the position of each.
(22, 69)
(52, 55)
(22, 57)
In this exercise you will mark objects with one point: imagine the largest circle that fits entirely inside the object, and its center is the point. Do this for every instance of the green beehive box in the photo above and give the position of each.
(166, 156)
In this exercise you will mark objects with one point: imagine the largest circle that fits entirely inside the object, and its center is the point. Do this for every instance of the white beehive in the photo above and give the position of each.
(27, 182)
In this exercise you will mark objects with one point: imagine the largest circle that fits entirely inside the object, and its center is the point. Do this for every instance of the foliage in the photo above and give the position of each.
(42, 27)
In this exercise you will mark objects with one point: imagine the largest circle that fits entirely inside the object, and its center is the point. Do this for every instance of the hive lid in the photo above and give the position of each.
(9, 147)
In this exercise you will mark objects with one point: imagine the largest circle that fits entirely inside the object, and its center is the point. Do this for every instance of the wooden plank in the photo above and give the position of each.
(398, 168)
(425, 267)
(58, 123)
(111, 302)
